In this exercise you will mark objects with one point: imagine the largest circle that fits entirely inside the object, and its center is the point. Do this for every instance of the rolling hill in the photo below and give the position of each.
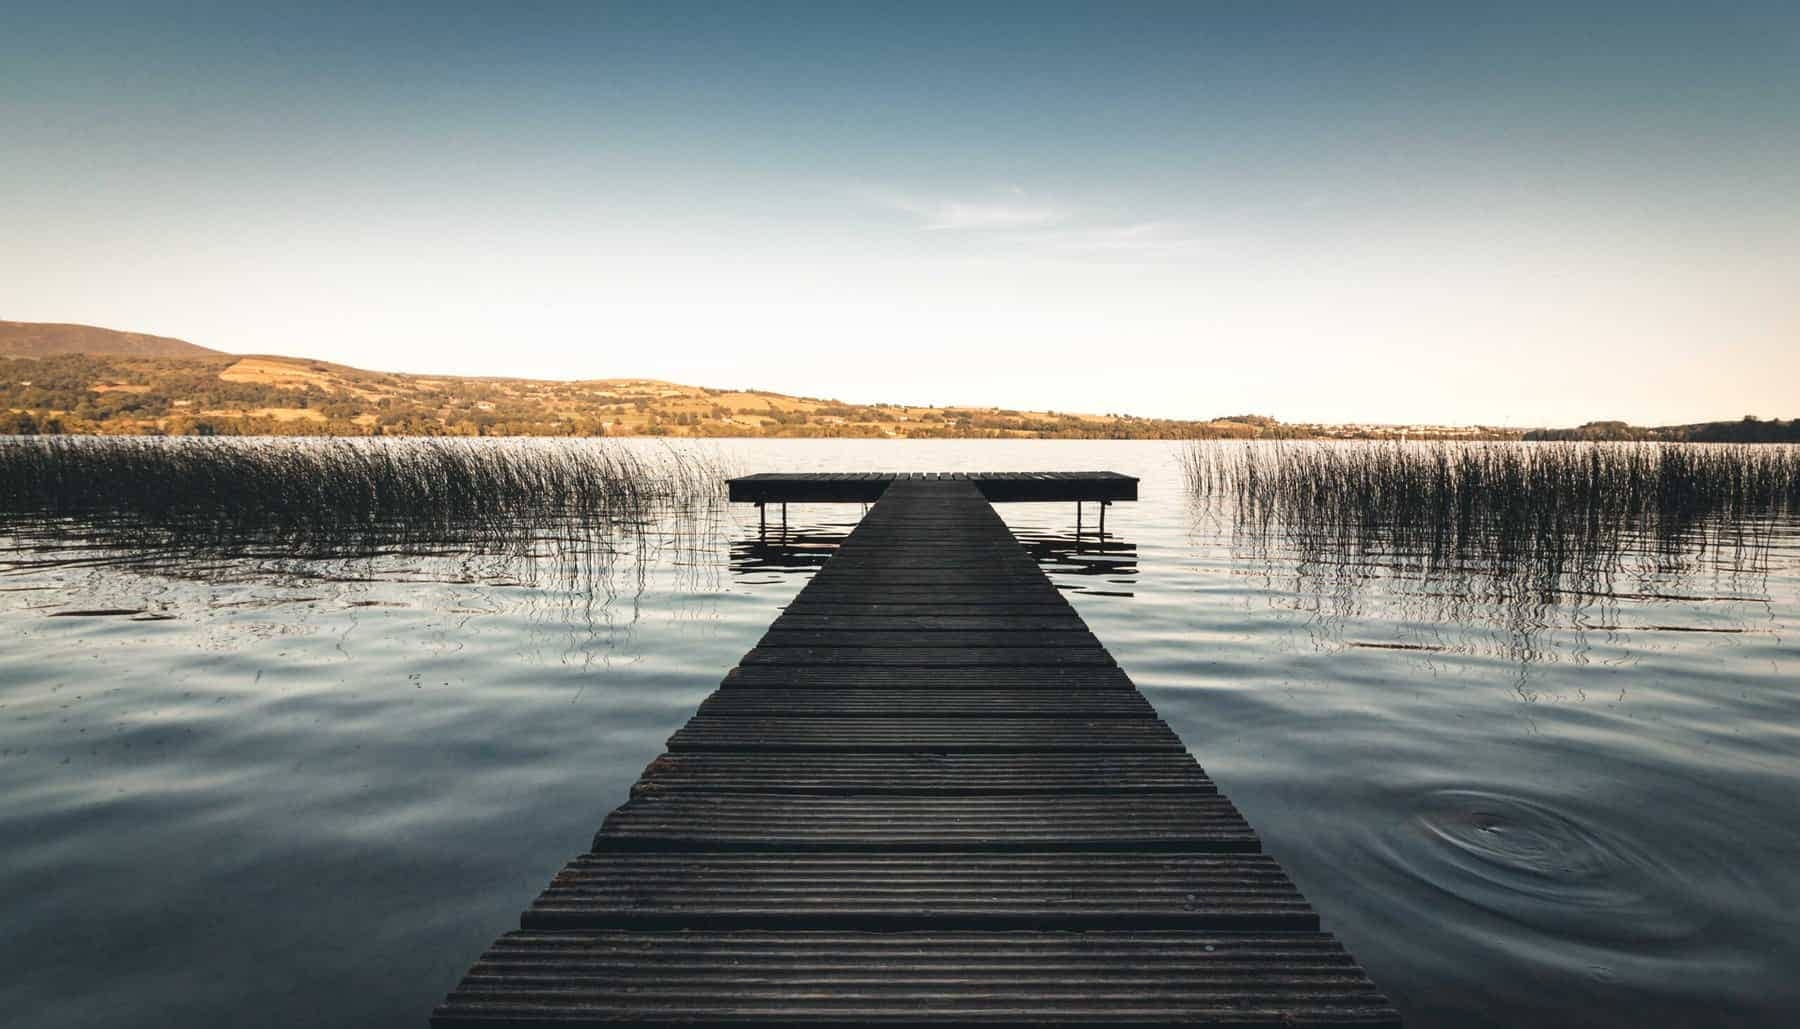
(72, 378)
(50, 339)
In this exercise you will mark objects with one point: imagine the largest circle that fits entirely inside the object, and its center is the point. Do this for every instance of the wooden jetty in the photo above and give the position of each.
(868, 487)
(927, 797)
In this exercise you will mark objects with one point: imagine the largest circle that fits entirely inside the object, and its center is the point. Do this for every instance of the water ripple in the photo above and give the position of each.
(1537, 864)
(1529, 808)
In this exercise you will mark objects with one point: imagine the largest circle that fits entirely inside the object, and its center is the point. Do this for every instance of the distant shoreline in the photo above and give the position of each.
(82, 380)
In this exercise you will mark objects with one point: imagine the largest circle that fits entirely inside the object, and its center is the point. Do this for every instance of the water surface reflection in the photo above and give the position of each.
(1077, 559)
(312, 783)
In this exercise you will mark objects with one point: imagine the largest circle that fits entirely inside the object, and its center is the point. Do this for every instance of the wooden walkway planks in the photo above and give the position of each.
(712, 978)
(868, 487)
(925, 773)
(800, 702)
(927, 797)
(909, 891)
(909, 734)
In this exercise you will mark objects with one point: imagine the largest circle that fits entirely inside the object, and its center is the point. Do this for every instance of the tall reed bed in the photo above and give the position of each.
(346, 493)
(1540, 511)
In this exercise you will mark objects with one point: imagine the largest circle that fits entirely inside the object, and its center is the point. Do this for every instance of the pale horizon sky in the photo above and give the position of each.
(1540, 214)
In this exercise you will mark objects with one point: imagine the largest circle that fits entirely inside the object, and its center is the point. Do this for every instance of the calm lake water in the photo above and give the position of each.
(295, 791)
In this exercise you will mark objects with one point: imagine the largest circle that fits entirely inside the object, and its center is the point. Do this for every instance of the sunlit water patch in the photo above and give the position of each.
(313, 783)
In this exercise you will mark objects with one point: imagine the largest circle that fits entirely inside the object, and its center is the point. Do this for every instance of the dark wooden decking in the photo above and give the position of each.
(868, 487)
(927, 797)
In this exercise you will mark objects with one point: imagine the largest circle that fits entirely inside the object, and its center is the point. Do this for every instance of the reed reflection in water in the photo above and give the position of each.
(1503, 532)
(1531, 750)
(332, 770)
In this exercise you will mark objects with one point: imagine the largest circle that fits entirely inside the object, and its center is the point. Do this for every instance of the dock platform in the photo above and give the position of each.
(928, 796)
(868, 487)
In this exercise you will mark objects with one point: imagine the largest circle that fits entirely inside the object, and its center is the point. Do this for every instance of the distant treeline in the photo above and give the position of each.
(225, 395)
(1749, 429)
(110, 395)
(117, 395)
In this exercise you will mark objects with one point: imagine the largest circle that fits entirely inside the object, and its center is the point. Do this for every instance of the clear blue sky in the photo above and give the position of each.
(1532, 214)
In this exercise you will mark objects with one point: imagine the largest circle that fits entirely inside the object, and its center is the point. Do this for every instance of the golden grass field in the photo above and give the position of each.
(82, 379)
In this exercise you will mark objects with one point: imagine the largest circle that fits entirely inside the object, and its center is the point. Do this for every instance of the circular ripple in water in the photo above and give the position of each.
(1528, 862)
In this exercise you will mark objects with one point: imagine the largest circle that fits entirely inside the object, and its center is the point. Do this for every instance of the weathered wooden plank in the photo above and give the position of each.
(1195, 823)
(1095, 978)
(924, 774)
(969, 531)
(933, 583)
(988, 735)
(917, 514)
(810, 488)
(901, 579)
(948, 595)
(876, 622)
(799, 490)
(837, 638)
(1064, 487)
(981, 545)
(870, 702)
(935, 550)
(613, 890)
(934, 553)
(908, 578)
(961, 531)
(928, 657)
(939, 507)
(985, 606)
(1093, 677)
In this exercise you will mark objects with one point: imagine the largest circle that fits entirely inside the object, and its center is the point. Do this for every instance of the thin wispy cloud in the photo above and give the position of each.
(960, 216)
(1016, 211)
(1021, 223)
(1138, 238)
